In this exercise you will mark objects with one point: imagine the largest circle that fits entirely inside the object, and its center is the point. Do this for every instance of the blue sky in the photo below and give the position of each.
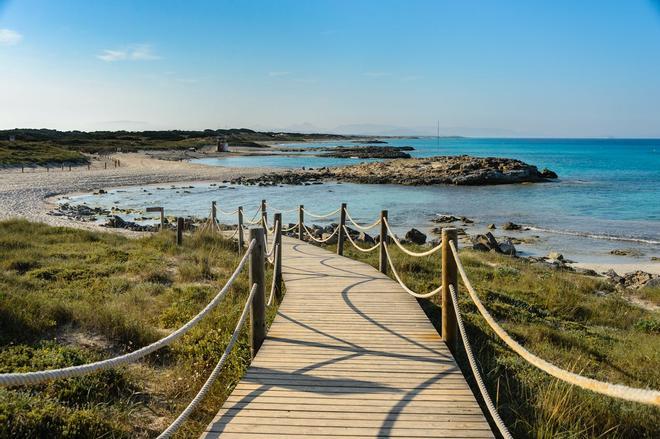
(485, 68)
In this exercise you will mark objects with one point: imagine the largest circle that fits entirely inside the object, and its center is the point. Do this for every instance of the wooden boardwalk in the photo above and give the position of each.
(350, 354)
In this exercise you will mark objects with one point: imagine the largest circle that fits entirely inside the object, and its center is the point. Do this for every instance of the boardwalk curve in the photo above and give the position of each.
(350, 354)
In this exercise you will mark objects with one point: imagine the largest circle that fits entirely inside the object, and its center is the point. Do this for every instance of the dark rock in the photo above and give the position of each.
(485, 242)
(116, 222)
(507, 248)
(366, 152)
(415, 236)
(547, 173)
(492, 226)
(511, 226)
(445, 219)
(626, 252)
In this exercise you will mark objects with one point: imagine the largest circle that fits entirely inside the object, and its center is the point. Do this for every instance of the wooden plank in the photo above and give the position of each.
(349, 354)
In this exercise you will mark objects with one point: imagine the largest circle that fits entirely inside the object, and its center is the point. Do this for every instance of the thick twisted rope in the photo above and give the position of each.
(475, 370)
(288, 229)
(295, 209)
(326, 215)
(320, 241)
(272, 249)
(15, 379)
(174, 426)
(272, 232)
(224, 212)
(359, 227)
(272, 285)
(645, 396)
(256, 214)
(403, 285)
(363, 250)
(405, 250)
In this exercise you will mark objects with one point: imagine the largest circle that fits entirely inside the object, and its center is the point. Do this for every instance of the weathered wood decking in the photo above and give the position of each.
(350, 354)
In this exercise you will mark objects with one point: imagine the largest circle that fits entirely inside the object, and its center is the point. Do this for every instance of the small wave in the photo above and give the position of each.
(595, 236)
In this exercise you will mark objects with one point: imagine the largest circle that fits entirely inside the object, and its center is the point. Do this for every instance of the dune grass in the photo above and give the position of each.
(69, 297)
(37, 153)
(558, 316)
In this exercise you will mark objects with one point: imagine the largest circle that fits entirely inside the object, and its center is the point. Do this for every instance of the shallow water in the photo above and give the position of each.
(607, 197)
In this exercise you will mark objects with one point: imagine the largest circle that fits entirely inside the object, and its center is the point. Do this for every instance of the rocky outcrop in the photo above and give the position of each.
(367, 152)
(455, 170)
(634, 280)
(488, 242)
(415, 236)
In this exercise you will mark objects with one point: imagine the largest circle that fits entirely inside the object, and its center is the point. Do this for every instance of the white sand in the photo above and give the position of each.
(25, 195)
(622, 267)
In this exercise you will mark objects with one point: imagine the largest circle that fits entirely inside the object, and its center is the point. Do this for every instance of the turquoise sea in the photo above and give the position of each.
(607, 196)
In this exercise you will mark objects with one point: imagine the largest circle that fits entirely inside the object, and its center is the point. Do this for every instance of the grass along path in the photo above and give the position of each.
(576, 322)
(69, 296)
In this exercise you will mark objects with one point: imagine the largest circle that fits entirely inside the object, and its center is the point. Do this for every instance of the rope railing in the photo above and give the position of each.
(176, 424)
(357, 247)
(16, 379)
(360, 227)
(475, 370)
(320, 241)
(645, 396)
(273, 285)
(405, 250)
(325, 215)
(224, 212)
(272, 249)
(288, 229)
(403, 285)
(295, 209)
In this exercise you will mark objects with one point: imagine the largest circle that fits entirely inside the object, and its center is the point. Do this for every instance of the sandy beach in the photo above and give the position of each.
(26, 195)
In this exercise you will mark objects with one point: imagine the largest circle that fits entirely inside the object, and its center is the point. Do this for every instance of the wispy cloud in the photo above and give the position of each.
(277, 74)
(135, 52)
(9, 37)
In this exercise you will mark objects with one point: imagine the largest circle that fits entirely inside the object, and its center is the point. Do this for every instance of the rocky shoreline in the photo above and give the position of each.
(452, 170)
(368, 152)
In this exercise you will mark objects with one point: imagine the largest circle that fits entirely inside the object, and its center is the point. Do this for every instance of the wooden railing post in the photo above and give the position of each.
(258, 308)
(340, 233)
(383, 239)
(179, 231)
(449, 277)
(214, 214)
(277, 263)
(264, 216)
(241, 238)
(301, 221)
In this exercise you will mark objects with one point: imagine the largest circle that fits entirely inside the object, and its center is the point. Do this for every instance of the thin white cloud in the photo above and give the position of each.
(277, 74)
(9, 37)
(136, 52)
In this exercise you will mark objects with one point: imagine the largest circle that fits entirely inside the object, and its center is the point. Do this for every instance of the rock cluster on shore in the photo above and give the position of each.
(368, 152)
(455, 170)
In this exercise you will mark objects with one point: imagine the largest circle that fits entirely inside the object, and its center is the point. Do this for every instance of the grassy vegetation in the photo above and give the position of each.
(35, 153)
(558, 316)
(69, 296)
(40, 146)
